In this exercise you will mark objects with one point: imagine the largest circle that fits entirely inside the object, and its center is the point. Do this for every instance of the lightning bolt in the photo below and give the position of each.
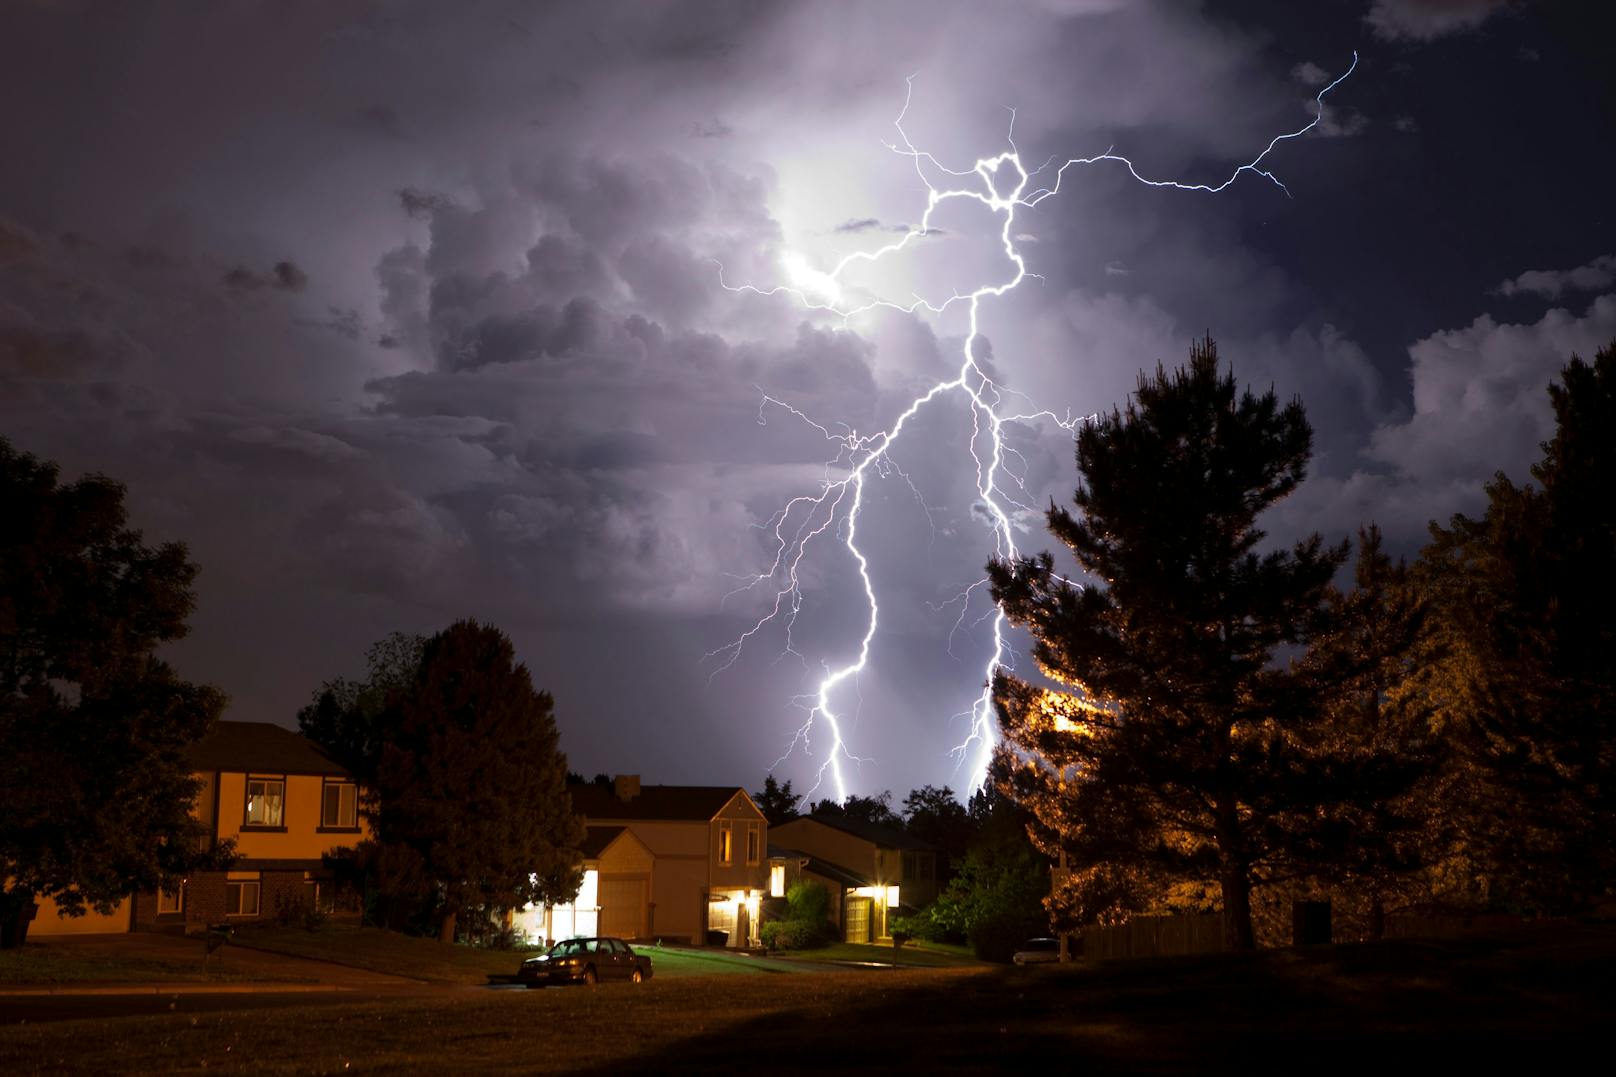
(1000, 184)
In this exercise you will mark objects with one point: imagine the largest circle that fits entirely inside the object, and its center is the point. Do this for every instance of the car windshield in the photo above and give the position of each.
(568, 948)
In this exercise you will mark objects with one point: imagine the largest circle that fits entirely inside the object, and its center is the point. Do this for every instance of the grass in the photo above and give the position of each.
(41, 965)
(383, 951)
(1531, 1002)
(426, 959)
(911, 955)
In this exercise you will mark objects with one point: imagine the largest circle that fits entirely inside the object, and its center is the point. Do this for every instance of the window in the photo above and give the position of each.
(777, 880)
(241, 899)
(171, 901)
(340, 806)
(266, 801)
(753, 843)
(726, 844)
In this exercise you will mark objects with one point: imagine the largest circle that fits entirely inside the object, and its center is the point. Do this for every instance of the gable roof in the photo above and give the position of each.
(261, 747)
(597, 839)
(662, 803)
(882, 837)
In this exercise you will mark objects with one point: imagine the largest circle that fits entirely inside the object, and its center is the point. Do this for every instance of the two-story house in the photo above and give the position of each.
(870, 870)
(707, 868)
(284, 802)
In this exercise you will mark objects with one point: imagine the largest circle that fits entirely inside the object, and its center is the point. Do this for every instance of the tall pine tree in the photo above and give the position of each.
(1170, 750)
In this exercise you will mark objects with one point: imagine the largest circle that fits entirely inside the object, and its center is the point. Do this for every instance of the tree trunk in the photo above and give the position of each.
(446, 932)
(1377, 919)
(17, 911)
(1234, 877)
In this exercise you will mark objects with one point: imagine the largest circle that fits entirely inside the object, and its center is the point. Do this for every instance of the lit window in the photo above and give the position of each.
(340, 809)
(266, 799)
(171, 901)
(753, 844)
(777, 880)
(726, 844)
(241, 899)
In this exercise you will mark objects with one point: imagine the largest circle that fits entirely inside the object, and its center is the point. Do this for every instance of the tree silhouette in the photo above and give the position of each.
(468, 800)
(776, 801)
(95, 787)
(1172, 753)
(1525, 682)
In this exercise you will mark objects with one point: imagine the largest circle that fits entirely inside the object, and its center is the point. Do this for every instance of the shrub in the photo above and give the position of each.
(808, 902)
(792, 934)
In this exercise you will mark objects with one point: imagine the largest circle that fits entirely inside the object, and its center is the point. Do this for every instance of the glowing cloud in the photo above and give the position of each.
(1000, 184)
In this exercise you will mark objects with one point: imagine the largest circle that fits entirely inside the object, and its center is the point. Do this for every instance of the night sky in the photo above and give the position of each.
(400, 313)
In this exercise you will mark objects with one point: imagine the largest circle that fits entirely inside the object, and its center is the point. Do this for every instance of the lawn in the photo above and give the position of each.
(427, 959)
(1531, 1002)
(42, 965)
(912, 955)
(383, 951)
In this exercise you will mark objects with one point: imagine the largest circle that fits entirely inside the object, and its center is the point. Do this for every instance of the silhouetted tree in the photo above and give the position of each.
(95, 787)
(776, 801)
(876, 810)
(1525, 680)
(1174, 753)
(468, 796)
(343, 717)
(935, 817)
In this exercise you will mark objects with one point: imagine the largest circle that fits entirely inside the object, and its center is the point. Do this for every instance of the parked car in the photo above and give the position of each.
(585, 961)
(1037, 951)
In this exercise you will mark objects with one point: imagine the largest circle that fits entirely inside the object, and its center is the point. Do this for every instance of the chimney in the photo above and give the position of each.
(626, 786)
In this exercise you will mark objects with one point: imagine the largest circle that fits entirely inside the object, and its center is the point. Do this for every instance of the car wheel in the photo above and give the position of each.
(638, 977)
(589, 976)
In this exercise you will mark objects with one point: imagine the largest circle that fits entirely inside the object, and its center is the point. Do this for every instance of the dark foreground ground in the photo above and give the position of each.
(1539, 1000)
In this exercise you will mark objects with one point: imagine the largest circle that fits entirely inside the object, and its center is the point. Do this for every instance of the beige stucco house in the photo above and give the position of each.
(870, 871)
(284, 802)
(667, 861)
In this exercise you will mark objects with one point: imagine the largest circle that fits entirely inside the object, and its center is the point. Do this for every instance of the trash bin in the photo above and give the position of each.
(718, 938)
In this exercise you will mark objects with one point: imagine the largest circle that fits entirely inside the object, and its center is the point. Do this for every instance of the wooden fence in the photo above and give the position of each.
(1155, 936)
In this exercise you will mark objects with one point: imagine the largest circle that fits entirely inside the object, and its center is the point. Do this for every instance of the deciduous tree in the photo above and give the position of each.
(95, 788)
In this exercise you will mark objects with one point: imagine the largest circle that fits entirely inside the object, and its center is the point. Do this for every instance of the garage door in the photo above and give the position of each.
(858, 919)
(622, 907)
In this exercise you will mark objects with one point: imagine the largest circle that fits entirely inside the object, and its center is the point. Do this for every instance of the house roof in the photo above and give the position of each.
(261, 747)
(883, 837)
(836, 873)
(598, 839)
(669, 803)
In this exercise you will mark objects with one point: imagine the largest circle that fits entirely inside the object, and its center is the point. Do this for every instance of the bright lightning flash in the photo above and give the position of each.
(1000, 184)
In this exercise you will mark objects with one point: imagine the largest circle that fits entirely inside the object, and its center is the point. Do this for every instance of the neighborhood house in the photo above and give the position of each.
(284, 802)
(673, 862)
(870, 871)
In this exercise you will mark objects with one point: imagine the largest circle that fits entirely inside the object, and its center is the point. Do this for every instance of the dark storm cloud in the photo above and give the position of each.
(283, 275)
(1425, 20)
(436, 328)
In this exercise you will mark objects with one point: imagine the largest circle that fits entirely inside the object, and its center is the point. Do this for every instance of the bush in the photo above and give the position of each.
(792, 935)
(808, 902)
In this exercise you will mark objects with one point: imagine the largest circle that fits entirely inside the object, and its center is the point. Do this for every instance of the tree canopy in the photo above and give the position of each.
(95, 787)
(1169, 751)
(467, 784)
(1523, 678)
